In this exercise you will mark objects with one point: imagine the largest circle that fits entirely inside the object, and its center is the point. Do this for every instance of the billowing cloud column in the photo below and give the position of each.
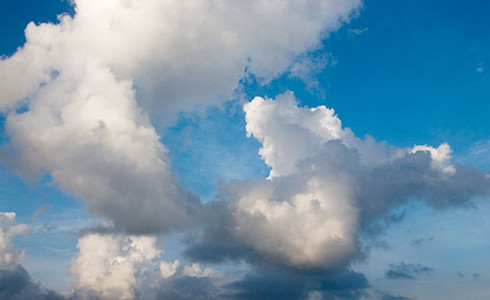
(325, 189)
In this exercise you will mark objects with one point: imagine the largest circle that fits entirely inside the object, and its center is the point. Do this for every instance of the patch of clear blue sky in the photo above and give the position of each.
(16, 14)
(413, 76)
(212, 148)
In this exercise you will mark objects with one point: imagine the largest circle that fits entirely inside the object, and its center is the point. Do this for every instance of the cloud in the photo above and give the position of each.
(16, 284)
(407, 271)
(44, 209)
(99, 147)
(169, 269)
(357, 31)
(277, 284)
(392, 297)
(119, 266)
(185, 288)
(88, 86)
(9, 257)
(108, 266)
(307, 67)
(326, 188)
(177, 52)
(418, 242)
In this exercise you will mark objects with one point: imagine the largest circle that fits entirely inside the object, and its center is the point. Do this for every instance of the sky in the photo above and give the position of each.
(323, 149)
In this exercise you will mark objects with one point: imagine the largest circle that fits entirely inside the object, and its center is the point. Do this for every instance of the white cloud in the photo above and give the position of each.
(290, 134)
(298, 220)
(9, 257)
(169, 269)
(194, 270)
(357, 31)
(177, 52)
(441, 157)
(91, 136)
(109, 266)
(307, 67)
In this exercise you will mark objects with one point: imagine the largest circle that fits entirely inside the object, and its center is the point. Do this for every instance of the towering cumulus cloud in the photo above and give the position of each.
(89, 85)
(325, 189)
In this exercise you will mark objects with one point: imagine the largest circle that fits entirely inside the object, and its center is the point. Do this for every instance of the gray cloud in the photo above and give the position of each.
(278, 284)
(418, 242)
(184, 288)
(407, 271)
(392, 297)
(16, 284)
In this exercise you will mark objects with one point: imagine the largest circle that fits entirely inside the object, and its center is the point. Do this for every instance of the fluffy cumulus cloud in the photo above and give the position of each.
(119, 266)
(177, 52)
(326, 188)
(87, 85)
(97, 145)
(108, 266)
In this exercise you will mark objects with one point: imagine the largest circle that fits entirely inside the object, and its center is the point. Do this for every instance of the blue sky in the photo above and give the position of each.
(406, 73)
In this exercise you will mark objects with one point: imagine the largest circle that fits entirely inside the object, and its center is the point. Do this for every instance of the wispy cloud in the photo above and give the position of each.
(408, 271)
